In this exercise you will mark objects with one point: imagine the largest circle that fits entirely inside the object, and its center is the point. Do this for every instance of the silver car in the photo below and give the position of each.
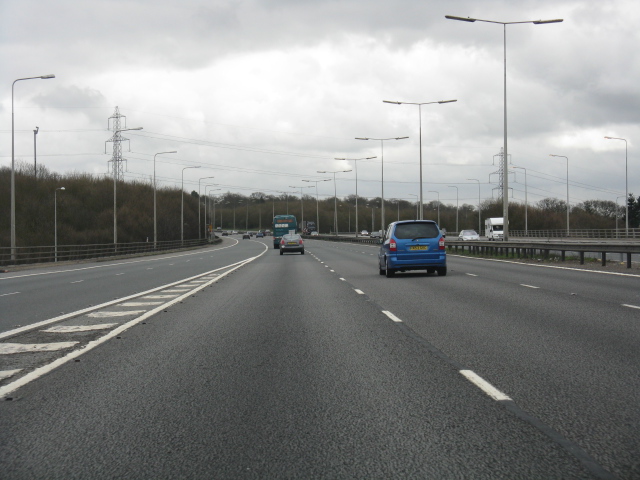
(291, 242)
(468, 235)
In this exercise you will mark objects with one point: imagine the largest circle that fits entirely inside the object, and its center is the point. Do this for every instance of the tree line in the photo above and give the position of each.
(85, 211)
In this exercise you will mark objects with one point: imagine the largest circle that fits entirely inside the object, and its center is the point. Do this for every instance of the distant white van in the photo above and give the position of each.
(494, 228)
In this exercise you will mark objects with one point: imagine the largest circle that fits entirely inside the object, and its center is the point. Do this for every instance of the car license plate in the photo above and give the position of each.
(419, 247)
(291, 243)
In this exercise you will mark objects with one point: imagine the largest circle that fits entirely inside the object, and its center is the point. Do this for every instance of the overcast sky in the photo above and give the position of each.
(261, 94)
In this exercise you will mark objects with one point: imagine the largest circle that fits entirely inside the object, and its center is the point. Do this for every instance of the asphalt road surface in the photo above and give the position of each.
(314, 366)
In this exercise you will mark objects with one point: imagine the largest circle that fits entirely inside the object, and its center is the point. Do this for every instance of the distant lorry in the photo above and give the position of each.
(494, 228)
(308, 227)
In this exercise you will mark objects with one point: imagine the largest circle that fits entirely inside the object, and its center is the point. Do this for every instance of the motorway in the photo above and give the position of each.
(236, 362)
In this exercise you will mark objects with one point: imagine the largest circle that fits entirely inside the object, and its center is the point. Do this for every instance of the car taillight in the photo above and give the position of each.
(393, 246)
(441, 243)
(300, 241)
(282, 242)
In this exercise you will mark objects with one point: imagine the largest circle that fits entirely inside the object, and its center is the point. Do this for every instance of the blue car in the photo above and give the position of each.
(412, 245)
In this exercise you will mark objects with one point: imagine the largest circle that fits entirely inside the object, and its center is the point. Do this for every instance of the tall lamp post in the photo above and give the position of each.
(437, 193)
(182, 206)
(505, 182)
(479, 221)
(457, 209)
(155, 216)
(335, 197)
(55, 222)
(13, 166)
(199, 201)
(567, 159)
(355, 164)
(318, 201)
(35, 163)
(382, 140)
(206, 198)
(626, 183)
(420, 123)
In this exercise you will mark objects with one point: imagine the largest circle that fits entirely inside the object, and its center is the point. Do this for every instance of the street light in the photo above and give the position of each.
(35, 163)
(567, 159)
(301, 203)
(206, 198)
(199, 226)
(372, 217)
(382, 160)
(318, 202)
(438, 193)
(55, 222)
(420, 123)
(13, 169)
(626, 182)
(335, 197)
(505, 182)
(457, 209)
(155, 216)
(182, 206)
(355, 164)
(115, 138)
(479, 221)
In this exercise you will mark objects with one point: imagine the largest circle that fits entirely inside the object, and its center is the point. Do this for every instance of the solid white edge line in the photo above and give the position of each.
(631, 306)
(485, 386)
(392, 316)
(38, 372)
(33, 326)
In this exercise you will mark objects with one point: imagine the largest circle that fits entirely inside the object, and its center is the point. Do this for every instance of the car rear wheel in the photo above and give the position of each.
(442, 271)
(281, 252)
(389, 272)
(302, 252)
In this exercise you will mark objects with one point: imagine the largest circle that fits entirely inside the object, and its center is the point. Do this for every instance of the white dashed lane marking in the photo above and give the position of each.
(392, 316)
(12, 293)
(528, 286)
(485, 386)
(631, 306)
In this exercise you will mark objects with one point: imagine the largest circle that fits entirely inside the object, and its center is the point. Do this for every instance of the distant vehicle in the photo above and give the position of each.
(468, 235)
(283, 225)
(246, 236)
(314, 233)
(494, 228)
(308, 227)
(377, 234)
(267, 233)
(291, 242)
(234, 233)
(259, 235)
(413, 245)
(364, 233)
(225, 234)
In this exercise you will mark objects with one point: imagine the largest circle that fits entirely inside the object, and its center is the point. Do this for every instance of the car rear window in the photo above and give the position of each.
(416, 230)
